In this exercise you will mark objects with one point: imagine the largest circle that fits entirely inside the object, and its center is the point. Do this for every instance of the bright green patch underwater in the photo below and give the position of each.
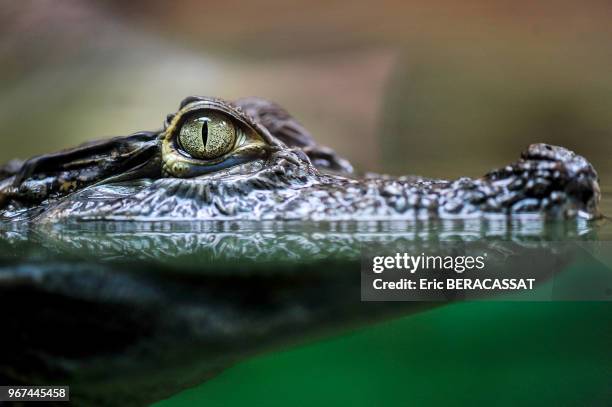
(478, 353)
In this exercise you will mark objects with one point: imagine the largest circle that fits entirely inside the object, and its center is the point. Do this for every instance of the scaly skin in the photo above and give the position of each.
(285, 176)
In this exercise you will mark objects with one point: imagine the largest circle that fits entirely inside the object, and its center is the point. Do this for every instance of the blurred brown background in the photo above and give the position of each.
(439, 88)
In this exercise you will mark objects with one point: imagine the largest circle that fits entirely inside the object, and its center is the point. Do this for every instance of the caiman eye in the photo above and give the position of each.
(207, 136)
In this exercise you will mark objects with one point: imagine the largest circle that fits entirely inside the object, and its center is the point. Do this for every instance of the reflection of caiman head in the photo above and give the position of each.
(250, 160)
(121, 306)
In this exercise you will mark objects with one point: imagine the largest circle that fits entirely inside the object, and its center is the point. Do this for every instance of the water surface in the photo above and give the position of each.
(270, 314)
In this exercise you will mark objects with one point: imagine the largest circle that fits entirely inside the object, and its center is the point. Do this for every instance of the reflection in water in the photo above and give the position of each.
(233, 241)
(130, 306)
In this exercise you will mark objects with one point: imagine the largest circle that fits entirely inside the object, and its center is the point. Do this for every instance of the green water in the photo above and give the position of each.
(269, 314)
(462, 354)
(472, 353)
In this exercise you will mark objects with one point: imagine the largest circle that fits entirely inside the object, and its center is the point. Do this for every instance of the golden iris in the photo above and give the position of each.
(209, 136)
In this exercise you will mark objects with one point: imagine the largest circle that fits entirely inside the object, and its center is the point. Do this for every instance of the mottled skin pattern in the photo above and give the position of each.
(285, 177)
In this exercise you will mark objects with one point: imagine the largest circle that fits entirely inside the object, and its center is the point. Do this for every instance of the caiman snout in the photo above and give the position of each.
(568, 172)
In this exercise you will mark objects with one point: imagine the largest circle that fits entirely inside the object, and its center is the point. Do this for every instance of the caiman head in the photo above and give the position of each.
(250, 160)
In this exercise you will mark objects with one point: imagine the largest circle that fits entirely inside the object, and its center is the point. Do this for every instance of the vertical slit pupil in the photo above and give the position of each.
(205, 133)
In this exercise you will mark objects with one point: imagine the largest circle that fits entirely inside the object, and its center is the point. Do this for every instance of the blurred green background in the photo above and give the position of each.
(436, 88)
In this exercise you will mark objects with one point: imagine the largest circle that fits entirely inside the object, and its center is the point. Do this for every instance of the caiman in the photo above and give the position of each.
(250, 160)
(127, 314)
